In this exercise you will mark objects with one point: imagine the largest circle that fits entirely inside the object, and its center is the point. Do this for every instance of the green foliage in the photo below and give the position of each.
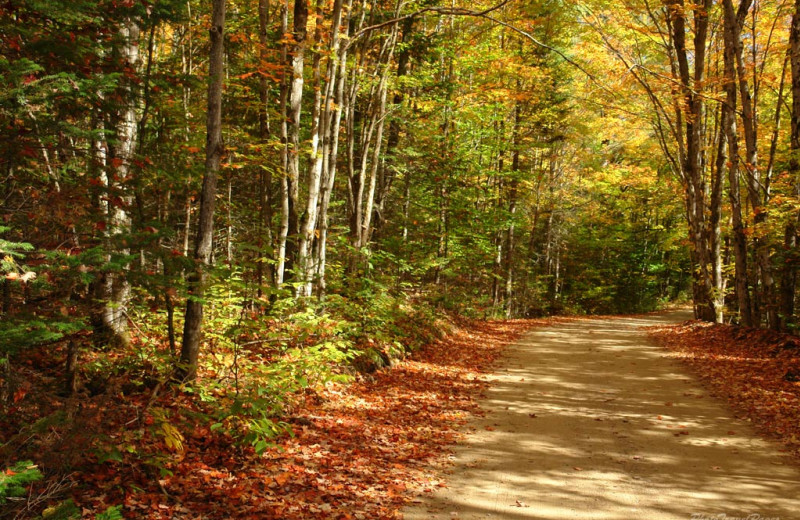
(10, 250)
(67, 510)
(112, 513)
(22, 332)
(15, 479)
(14, 482)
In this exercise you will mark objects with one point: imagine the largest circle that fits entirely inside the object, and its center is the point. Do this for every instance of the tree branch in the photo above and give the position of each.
(459, 11)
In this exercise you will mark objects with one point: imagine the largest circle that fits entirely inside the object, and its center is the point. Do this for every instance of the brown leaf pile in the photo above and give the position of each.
(748, 367)
(361, 452)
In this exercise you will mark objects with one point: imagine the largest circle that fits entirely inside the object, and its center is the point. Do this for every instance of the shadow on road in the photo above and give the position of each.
(588, 420)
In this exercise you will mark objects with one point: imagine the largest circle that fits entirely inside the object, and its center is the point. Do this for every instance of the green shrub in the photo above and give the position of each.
(14, 480)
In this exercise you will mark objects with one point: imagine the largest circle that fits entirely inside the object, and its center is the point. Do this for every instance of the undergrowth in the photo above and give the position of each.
(264, 357)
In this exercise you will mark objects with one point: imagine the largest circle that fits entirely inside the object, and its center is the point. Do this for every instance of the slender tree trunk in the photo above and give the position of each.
(406, 205)
(299, 33)
(387, 170)
(497, 263)
(693, 161)
(758, 186)
(319, 177)
(71, 368)
(332, 152)
(114, 288)
(190, 349)
(512, 209)
(264, 227)
(308, 223)
(187, 68)
(715, 217)
(442, 249)
(739, 239)
(283, 235)
(369, 204)
(789, 271)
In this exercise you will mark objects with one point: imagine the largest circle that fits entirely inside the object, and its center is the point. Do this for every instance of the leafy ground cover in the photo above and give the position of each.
(357, 450)
(755, 370)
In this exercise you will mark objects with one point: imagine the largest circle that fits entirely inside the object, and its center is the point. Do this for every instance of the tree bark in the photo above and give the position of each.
(264, 226)
(715, 217)
(512, 209)
(693, 160)
(297, 62)
(757, 187)
(190, 349)
(387, 166)
(331, 154)
(283, 234)
(113, 288)
(789, 271)
(319, 178)
(739, 239)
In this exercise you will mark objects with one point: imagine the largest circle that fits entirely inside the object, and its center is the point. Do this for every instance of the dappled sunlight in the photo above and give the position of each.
(587, 420)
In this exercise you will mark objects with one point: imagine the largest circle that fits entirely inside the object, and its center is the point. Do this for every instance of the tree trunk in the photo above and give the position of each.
(190, 349)
(789, 271)
(715, 217)
(739, 238)
(758, 187)
(332, 152)
(388, 168)
(693, 160)
(283, 234)
(71, 368)
(319, 178)
(362, 187)
(300, 33)
(512, 210)
(113, 288)
(264, 226)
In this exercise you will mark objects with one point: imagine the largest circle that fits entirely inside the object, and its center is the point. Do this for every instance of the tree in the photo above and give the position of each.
(190, 349)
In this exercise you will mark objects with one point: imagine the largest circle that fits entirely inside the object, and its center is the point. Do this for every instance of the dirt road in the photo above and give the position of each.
(589, 420)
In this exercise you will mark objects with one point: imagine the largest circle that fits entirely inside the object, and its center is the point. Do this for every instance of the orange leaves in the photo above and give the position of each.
(396, 489)
(360, 452)
(281, 479)
(748, 367)
(21, 392)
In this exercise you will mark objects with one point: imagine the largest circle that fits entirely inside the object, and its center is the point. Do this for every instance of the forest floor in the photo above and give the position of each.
(589, 419)
(357, 451)
(560, 418)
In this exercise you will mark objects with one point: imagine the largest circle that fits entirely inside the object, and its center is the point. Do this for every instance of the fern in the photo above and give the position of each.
(13, 480)
(112, 513)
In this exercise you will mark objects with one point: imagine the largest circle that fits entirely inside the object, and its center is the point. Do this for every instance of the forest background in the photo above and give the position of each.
(242, 198)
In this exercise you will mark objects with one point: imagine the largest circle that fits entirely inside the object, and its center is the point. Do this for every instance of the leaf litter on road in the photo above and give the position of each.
(750, 368)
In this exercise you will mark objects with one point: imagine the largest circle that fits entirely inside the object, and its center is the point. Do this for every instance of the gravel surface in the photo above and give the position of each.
(589, 420)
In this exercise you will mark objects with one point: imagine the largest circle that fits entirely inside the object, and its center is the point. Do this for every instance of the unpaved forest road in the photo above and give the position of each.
(596, 448)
